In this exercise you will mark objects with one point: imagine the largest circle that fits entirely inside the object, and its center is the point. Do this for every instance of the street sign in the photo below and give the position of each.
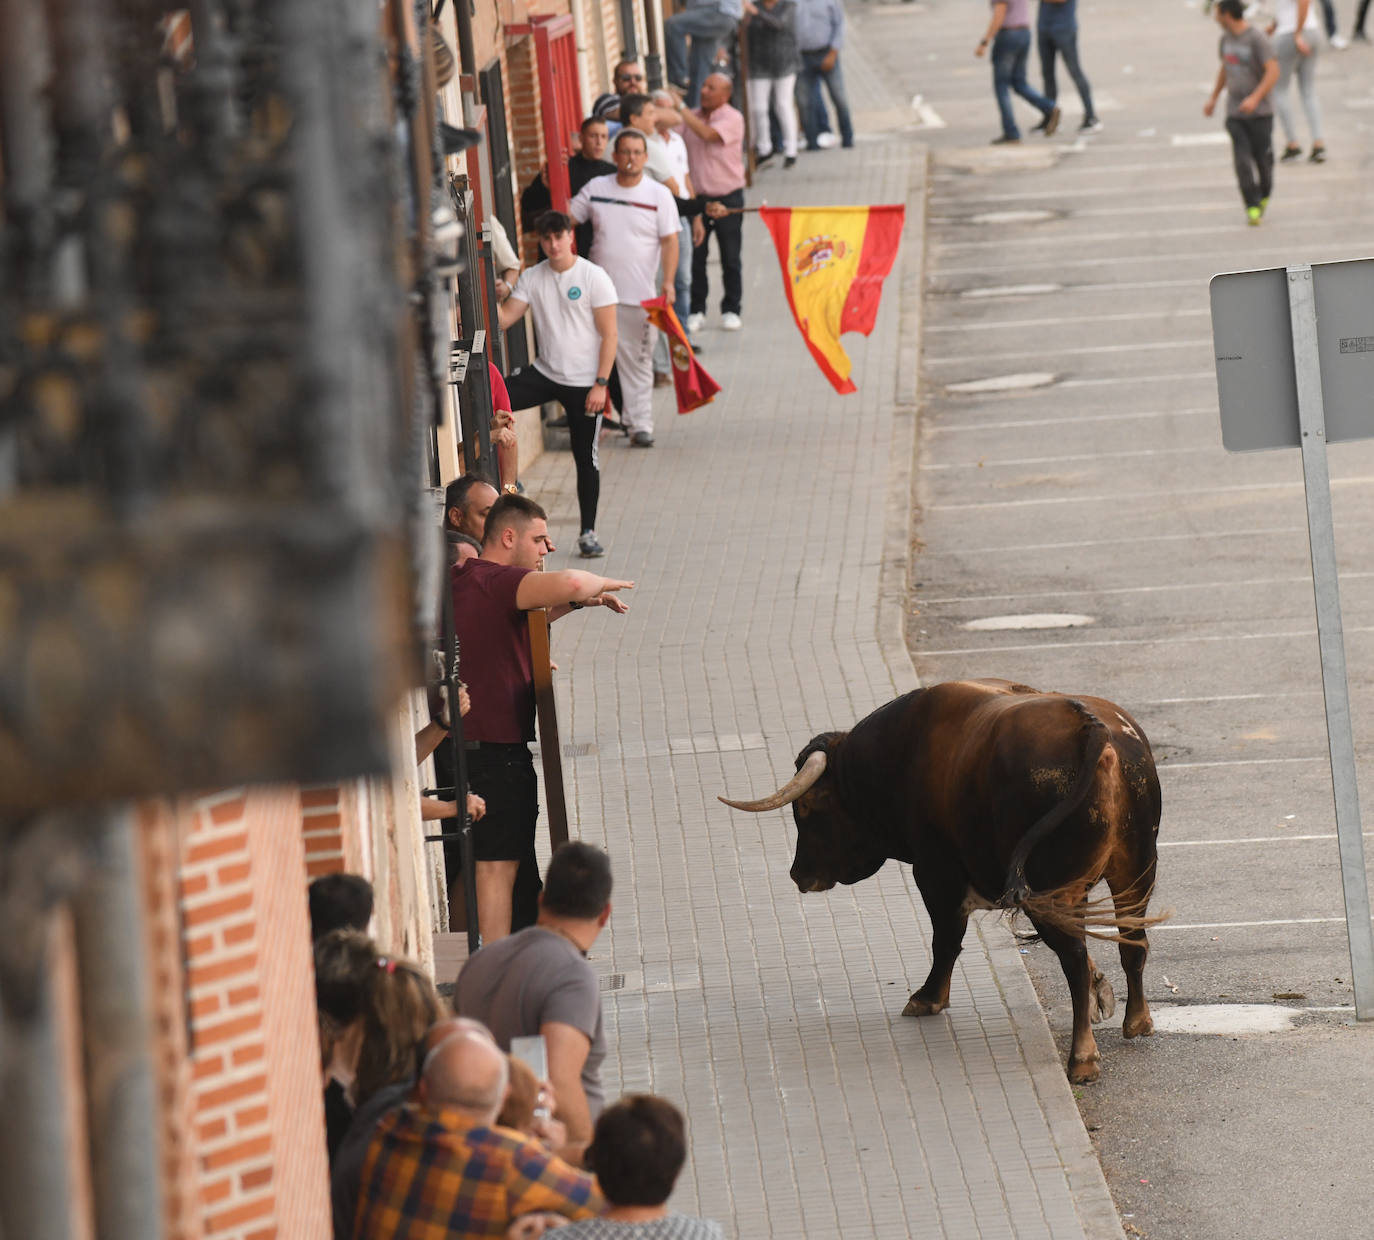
(1291, 342)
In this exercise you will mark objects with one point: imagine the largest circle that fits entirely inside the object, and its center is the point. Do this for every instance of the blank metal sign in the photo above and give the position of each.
(1253, 339)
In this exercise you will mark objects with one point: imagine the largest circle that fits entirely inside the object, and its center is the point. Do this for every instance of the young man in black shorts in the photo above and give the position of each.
(574, 303)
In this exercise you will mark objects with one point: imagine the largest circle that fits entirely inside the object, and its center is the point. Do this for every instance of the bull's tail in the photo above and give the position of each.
(1095, 737)
(1107, 917)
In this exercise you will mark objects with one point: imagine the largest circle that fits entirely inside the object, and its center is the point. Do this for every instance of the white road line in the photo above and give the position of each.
(1304, 579)
(1202, 766)
(1209, 375)
(1248, 925)
(1008, 324)
(1191, 640)
(1056, 193)
(1295, 531)
(961, 359)
(1231, 697)
(1078, 241)
(1034, 290)
(1253, 839)
(1055, 265)
(1018, 423)
(1239, 488)
(1022, 462)
(1060, 216)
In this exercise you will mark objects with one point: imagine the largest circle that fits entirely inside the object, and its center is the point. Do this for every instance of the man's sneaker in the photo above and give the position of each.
(1051, 122)
(1090, 125)
(1264, 205)
(789, 160)
(589, 546)
(1006, 140)
(760, 160)
(1253, 214)
(730, 321)
(826, 140)
(695, 322)
(1040, 128)
(1339, 42)
(641, 439)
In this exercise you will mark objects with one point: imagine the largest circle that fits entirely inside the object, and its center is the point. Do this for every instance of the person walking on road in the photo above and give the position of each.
(1296, 35)
(1008, 34)
(1056, 31)
(574, 306)
(820, 36)
(1249, 69)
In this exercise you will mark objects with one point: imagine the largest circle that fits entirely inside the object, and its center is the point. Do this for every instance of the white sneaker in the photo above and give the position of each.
(694, 323)
(1339, 42)
(826, 140)
(730, 322)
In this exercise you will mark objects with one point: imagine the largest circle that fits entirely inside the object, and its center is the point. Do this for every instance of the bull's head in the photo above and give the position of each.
(830, 847)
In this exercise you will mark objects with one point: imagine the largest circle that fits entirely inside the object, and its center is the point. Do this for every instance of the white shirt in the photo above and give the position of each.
(562, 303)
(677, 159)
(1287, 16)
(658, 163)
(628, 226)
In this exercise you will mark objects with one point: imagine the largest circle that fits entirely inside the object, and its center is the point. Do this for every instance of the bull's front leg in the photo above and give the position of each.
(948, 922)
(1085, 1060)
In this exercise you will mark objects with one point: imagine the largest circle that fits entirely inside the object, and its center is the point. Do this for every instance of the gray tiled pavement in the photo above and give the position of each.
(768, 533)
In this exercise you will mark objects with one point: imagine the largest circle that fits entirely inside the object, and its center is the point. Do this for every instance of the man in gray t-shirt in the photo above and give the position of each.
(538, 982)
(1249, 69)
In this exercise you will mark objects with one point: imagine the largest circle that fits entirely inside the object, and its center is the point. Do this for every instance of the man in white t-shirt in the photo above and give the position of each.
(574, 306)
(634, 239)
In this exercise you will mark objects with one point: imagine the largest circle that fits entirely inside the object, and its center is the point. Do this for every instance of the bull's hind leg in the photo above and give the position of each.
(948, 922)
(1085, 1060)
(1132, 899)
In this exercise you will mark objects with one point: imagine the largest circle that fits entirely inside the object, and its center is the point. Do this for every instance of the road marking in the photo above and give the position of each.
(1102, 592)
(1192, 640)
(1206, 258)
(960, 359)
(1034, 215)
(1252, 839)
(1022, 462)
(1198, 766)
(1077, 241)
(1004, 383)
(1040, 620)
(1210, 410)
(1213, 137)
(1238, 488)
(1209, 375)
(1011, 290)
(1057, 194)
(1296, 531)
(1232, 697)
(1067, 321)
(1249, 925)
(930, 118)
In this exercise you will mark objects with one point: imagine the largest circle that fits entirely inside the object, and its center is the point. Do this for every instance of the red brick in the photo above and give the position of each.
(322, 822)
(194, 885)
(200, 946)
(247, 1054)
(202, 913)
(214, 1098)
(243, 994)
(267, 1233)
(257, 1178)
(311, 798)
(204, 974)
(228, 811)
(217, 846)
(207, 1005)
(329, 865)
(245, 1213)
(330, 842)
(239, 933)
(227, 1029)
(212, 1191)
(202, 1068)
(228, 875)
(212, 1130)
(250, 1117)
(241, 1152)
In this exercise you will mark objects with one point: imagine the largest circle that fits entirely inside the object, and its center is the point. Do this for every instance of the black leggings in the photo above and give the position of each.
(529, 386)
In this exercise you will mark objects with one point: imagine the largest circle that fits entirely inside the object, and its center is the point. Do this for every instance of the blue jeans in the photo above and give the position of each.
(813, 107)
(1064, 43)
(707, 28)
(1010, 52)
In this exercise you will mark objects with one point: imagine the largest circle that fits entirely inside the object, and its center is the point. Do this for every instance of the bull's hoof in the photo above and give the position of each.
(1085, 1071)
(1103, 998)
(1138, 1026)
(917, 1006)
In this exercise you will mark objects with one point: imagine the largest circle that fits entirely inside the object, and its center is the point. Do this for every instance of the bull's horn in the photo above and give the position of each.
(812, 769)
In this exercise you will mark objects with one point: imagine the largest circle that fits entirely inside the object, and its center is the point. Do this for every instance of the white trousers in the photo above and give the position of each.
(780, 94)
(634, 360)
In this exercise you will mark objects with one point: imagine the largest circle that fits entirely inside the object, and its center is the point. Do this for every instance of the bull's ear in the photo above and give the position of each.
(815, 800)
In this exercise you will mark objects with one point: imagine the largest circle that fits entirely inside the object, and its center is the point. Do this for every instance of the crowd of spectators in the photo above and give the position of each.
(486, 1119)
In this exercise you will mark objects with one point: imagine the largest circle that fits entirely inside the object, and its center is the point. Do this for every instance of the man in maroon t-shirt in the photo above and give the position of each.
(491, 595)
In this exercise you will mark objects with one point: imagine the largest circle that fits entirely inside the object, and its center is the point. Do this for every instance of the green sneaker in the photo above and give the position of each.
(1264, 205)
(1253, 215)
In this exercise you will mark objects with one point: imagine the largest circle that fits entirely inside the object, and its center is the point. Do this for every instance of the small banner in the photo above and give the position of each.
(692, 385)
(834, 261)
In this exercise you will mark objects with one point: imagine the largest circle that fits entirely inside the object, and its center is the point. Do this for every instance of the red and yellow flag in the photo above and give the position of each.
(834, 260)
(691, 384)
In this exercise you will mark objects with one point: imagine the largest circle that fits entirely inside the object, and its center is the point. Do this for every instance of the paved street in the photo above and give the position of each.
(1073, 273)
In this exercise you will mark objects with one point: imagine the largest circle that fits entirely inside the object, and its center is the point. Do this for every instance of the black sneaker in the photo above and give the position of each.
(1090, 125)
(589, 546)
(1040, 128)
(641, 439)
(761, 160)
(1291, 152)
(788, 161)
(1051, 122)
(1005, 140)
(1318, 155)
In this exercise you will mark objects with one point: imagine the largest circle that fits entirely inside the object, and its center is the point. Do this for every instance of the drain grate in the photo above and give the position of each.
(613, 981)
(582, 749)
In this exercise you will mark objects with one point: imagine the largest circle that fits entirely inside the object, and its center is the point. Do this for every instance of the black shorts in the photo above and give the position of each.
(503, 776)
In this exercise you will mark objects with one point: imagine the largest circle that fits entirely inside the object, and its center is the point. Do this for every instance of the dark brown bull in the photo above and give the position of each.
(998, 796)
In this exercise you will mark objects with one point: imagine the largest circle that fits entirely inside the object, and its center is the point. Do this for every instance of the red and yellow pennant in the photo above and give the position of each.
(691, 384)
(834, 261)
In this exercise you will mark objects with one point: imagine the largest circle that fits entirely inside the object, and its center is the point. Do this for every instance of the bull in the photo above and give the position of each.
(998, 796)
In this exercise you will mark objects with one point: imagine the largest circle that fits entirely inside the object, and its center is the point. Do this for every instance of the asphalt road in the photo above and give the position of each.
(1072, 274)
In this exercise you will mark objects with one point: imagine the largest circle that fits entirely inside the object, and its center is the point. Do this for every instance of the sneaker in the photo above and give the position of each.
(1040, 128)
(1006, 140)
(1339, 42)
(760, 160)
(641, 439)
(730, 322)
(1264, 205)
(789, 160)
(1318, 155)
(1359, 37)
(1253, 215)
(1051, 122)
(1090, 125)
(589, 546)
(695, 322)
(1291, 152)
(826, 140)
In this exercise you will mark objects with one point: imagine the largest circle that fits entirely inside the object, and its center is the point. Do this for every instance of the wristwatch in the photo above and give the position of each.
(600, 382)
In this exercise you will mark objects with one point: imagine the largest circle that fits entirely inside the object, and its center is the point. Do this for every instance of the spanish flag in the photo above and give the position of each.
(834, 260)
(691, 384)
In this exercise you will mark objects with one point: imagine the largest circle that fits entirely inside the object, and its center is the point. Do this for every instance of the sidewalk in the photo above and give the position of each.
(768, 533)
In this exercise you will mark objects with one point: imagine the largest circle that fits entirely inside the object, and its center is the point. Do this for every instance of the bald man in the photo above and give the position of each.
(441, 1164)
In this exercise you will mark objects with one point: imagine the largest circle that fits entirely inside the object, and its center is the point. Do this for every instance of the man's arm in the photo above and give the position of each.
(699, 127)
(1256, 96)
(570, 585)
(604, 318)
(999, 15)
(568, 1047)
(668, 251)
(511, 311)
(1218, 86)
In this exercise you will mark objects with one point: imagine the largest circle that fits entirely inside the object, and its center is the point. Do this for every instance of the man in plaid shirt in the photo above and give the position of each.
(445, 1168)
